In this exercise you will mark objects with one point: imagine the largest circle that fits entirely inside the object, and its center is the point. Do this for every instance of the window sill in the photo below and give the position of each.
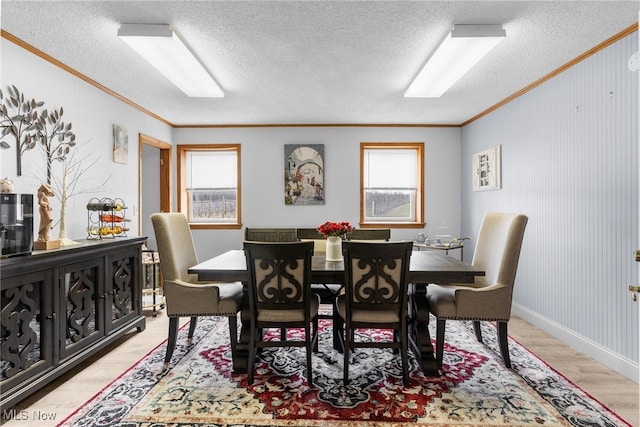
(210, 226)
(392, 225)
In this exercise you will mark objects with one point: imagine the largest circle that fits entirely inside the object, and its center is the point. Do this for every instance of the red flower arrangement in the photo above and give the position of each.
(337, 229)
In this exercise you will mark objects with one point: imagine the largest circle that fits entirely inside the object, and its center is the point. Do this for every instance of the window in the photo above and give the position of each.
(391, 191)
(209, 185)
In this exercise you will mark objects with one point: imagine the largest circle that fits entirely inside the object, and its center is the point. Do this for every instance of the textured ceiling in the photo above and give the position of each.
(316, 62)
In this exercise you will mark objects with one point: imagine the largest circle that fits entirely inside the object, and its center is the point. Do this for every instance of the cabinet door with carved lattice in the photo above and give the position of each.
(82, 295)
(123, 285)
(26, 342)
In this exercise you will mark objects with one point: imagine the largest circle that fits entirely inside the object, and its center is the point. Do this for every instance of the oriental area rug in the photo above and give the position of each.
(197, 388)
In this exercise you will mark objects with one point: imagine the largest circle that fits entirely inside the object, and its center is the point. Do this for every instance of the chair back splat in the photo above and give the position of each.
(376, 295)
(280, 297)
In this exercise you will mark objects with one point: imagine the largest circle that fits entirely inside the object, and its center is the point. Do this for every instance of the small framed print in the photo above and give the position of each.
(120, 144)
(486, 169)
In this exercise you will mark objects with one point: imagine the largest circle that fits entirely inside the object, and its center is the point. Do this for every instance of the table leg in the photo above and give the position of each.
(241, 355)
(337, 330)
(420, 330)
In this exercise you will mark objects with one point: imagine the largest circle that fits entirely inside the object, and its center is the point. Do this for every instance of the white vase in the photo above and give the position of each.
(334, 248)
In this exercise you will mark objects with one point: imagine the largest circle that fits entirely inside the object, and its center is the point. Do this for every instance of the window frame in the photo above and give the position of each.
(182, 151)
(419, 199)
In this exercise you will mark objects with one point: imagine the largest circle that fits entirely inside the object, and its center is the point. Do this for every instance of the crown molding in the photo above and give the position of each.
(627, 31)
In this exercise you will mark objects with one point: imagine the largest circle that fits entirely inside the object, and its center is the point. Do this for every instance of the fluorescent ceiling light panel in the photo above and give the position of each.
(463, 48)
(161, 46)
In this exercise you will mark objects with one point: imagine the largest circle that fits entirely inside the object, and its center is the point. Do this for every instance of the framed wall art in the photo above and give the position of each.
(304, 174)
(120, 144)
(486, 169)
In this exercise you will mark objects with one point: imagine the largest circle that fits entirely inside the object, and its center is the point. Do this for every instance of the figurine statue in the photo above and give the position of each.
(6, 185)
(44, 192)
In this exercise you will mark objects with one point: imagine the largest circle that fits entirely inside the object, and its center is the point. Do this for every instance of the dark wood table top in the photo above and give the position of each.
(426, 267)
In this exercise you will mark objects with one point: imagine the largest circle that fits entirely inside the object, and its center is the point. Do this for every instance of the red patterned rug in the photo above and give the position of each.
(198, 389)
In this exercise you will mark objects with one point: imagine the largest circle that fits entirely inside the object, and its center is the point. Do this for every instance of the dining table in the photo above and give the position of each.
(425, 267)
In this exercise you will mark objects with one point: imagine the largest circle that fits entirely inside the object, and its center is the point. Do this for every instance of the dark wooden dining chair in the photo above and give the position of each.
(254, 234)
(382, 234)
(489, 297)
(280, 297)
(185, 295)
(376, 295)
(329, 291)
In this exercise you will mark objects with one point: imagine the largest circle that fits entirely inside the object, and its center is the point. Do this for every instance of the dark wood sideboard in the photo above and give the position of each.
(61, 306)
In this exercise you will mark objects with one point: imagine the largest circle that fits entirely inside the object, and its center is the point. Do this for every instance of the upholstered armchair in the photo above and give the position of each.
(489, 298)
(280, 297)
(185, 296)
(376, 295)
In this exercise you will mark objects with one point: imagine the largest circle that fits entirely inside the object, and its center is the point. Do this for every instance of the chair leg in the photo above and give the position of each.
(440, 328)
(310, 344)
(345, 348)
(251, 359)
(338, 333)
(233, 335)
(315, 334)
(396, 338)
(503, 339)
(337, 329)
(478, 330)
(173, 335)
(404, 349)
(192, 326)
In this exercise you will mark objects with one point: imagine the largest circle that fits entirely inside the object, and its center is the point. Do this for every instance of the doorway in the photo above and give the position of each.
(154, 183)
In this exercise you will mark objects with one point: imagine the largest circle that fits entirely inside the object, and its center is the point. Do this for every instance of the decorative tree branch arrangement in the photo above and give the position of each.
(68, 187)
(20, 120)
(70, 184)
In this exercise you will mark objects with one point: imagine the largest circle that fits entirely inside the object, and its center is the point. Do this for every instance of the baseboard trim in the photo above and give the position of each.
(618, 363)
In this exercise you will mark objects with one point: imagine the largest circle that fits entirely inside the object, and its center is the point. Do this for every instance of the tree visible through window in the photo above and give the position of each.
(209, 185)
(391, 184)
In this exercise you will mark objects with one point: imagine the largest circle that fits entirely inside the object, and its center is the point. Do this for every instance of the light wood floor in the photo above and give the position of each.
(63, 396)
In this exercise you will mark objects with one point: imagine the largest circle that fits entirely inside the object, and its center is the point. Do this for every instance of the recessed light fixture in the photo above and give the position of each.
(463, 47)
(161, 46)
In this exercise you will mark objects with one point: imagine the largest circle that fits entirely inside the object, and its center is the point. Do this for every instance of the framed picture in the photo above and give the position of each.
(304, 174)
(120, 144)
(486, 169)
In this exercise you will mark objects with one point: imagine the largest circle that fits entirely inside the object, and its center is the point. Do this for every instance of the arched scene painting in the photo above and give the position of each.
(304, 174)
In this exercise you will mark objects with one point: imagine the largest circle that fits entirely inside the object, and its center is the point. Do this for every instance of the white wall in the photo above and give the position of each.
(92, 113)
(570, 162)
(263, 177)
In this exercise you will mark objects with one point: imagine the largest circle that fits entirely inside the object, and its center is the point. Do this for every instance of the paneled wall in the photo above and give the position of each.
(570, 162)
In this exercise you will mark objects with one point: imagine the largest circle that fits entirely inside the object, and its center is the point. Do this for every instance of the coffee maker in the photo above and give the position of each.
(16, 224)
